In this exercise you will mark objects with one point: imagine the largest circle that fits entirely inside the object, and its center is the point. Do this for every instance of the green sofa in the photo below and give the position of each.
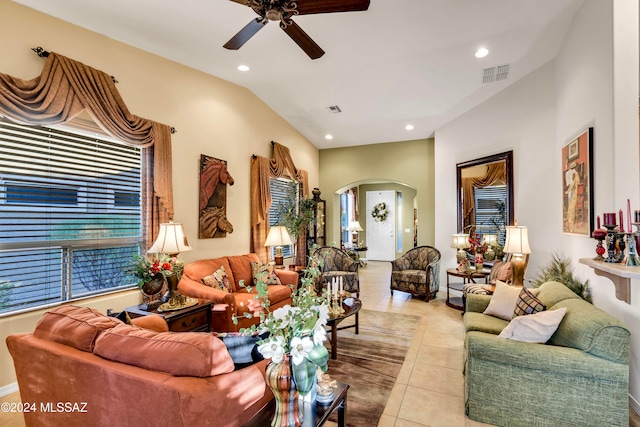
(580, 377)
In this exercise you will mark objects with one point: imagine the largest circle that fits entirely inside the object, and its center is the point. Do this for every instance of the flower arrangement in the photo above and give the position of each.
(478, 247)
(145, 268)
(297, 330)
(380, 212)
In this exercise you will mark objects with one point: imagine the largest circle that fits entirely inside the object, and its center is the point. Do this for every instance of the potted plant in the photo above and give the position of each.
(295, 213)
(559, 270)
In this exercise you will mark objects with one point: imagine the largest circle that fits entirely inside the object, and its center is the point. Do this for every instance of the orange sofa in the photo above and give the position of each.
(238, 301)
(81, 368)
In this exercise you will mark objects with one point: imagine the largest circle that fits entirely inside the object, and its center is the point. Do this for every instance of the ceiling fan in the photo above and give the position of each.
(283, 11)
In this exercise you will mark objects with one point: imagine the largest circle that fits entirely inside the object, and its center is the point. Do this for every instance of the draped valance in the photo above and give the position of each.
(64, 89)
(496, 175)
(262, 170)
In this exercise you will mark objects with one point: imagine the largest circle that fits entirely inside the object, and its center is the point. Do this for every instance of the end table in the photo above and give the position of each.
(191, 319)
(467, 277)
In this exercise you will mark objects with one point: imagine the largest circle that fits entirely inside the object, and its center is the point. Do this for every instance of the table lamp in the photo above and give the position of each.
(278, 237)
(354, 227)
(171, 240)
(460, 241)
(517, 244)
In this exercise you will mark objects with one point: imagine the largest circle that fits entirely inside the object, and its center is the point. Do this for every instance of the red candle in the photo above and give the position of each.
(609, 219)
(621, 222)
(628, 215)
(598, 227)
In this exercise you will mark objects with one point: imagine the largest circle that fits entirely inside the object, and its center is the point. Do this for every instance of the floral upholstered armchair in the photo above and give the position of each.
(417, 272)
(336, 263)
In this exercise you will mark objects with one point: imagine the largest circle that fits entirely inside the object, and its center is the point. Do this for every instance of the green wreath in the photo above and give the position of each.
(380, 212)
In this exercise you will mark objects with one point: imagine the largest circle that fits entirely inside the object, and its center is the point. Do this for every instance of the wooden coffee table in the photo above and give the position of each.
(351, 306)
(314, 414)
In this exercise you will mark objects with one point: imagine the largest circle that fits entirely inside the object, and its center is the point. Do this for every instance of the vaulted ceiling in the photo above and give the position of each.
(400, 62)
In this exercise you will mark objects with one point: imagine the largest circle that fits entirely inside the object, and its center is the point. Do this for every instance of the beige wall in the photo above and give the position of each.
(212, 116)
(410, 163)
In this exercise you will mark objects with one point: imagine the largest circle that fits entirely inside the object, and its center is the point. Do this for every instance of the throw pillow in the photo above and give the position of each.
(266, 272)
(501, 271)
(503, 301)
(218, 279)
(536, 328)
(528, 304)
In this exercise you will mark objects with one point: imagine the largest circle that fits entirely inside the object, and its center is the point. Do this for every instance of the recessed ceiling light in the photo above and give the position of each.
(409, 127)
(243, 68)
(482, 52)
(328, 136)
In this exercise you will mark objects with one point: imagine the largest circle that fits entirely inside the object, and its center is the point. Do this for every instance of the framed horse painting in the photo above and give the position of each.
(214, 178)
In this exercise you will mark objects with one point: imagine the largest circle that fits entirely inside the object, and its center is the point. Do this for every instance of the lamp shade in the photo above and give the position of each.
(278, 236)
(460, 241)
(171, 240)
(354, 226)
(517, 240)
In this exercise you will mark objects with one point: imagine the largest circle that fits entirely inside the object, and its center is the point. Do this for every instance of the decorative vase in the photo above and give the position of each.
(280, 379)
(479, 262)
(152, 292)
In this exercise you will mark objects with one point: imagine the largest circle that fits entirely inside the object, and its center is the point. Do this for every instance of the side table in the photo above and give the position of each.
(196, 318)
(314, 414)
(467, 277)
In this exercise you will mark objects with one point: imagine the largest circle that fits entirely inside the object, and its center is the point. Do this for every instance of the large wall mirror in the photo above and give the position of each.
(485, 194)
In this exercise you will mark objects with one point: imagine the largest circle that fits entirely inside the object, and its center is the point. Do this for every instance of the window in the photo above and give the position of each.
(280, 194)
(70, 215)
(490, 209)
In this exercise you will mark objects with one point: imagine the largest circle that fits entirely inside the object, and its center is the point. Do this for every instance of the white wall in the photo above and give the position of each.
(592, 82)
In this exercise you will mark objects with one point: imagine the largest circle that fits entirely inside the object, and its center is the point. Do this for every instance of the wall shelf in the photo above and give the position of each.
(619, 274)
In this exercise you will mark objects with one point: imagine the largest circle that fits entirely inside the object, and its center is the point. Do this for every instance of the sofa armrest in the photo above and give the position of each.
(477, 303)
(564, 361)
(287, 277)
(195, 289)
(152, 322)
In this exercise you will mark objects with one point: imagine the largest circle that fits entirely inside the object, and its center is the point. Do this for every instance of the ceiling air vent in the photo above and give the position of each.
(334, 109)
(494, 74)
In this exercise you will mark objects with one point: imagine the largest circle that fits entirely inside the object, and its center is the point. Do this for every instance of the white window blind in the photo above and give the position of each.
(280, 189)
(70, 215)
(490, 210)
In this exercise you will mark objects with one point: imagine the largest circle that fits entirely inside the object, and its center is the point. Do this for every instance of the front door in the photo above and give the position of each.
(381, 229)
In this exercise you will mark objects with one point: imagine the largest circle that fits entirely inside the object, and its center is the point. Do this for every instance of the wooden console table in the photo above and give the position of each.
(619, 274)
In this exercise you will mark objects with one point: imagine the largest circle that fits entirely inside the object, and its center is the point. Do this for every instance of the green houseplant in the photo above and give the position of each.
(559, 270)
(295, 213)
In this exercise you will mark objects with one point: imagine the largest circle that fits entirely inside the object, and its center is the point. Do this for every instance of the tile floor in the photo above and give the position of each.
(430, 388)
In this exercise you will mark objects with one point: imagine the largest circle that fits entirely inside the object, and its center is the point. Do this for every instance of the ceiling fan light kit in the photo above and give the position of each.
(283, 11)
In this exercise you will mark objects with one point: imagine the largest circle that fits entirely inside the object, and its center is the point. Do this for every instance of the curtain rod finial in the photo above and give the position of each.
(40, 52)
(173, 130)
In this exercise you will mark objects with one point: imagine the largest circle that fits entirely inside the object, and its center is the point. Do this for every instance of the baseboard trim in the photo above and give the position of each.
(8, 389)
(633, 403)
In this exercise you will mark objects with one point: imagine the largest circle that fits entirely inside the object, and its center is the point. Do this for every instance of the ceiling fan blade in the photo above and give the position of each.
(303, 40)
(243, 2)
(308, 7)
(245, 34)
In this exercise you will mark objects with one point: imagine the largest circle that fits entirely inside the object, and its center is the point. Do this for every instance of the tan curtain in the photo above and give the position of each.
(356, 207)
(496, 175)
(64, 89)
(262, 169)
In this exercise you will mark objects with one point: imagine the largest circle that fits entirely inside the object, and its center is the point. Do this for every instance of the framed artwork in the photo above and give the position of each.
(577, 185)
(214, 178)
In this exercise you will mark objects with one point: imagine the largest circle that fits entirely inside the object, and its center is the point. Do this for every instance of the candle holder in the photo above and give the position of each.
(621, 245)
(610, 240)
(599, 234)
(335, 305)
(631, 259)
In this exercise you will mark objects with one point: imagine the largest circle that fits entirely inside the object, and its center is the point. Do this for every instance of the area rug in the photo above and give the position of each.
(370, 362)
